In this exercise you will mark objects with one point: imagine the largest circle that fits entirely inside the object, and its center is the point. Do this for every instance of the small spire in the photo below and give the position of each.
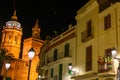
(36, 30)
(37, 24)
(14, 13)
(14, 17)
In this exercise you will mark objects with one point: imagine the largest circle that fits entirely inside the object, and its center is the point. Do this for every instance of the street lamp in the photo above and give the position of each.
(31, 54)
(114, 54)
(39, 77)
(70, 68)
(7, 66)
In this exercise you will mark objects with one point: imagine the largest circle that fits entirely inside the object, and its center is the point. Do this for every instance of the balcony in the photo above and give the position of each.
(105, 67)
(86, 76)
(87, 35)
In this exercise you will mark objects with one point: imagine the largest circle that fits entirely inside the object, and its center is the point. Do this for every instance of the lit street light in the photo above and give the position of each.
(114, 54)
(31, 54)
(70, 68)
(7, 66)
(39, 77)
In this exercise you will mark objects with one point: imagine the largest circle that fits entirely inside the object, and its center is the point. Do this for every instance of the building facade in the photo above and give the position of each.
(56, 56)
(97, 32)
(11, 41)
(98, 24)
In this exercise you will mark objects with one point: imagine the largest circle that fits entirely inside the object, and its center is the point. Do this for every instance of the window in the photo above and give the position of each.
(46, 74)
(16, 39)
(60, 71)
(107, 22)
(9, 38)
(89, 28)
(52, 72)
(89, 58)
(66, 53)
(3, 37)
(55, 54)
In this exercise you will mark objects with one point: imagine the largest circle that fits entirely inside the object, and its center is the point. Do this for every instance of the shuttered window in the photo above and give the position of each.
(66, 53)
(107, 22)
(55, 54)
(60, 72)
(89, 58)
(89, 28)
(52, 72)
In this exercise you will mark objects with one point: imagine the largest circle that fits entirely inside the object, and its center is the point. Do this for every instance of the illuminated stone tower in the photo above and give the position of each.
(11, 36)
(36, 43)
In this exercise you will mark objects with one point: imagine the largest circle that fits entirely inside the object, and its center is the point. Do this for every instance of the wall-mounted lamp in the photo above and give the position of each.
(39, 77)
(114, 52)
(70, 66)
(72, 70)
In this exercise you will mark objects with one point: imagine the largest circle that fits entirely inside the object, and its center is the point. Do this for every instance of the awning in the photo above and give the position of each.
(85, 76)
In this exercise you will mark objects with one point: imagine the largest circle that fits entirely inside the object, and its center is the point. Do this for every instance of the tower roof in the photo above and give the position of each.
(13, 23)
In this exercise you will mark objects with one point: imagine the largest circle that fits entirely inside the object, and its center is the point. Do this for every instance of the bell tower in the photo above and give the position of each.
(12, 35)
(36, 43)
(36, 30)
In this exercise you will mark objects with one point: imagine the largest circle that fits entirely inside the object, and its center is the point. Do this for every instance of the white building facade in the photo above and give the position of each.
(98, 31)
(57, 54)
(87, 46)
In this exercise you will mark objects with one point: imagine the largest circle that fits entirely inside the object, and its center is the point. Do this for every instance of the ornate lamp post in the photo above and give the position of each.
(31, 54)
(114, 54)
(39, 77)
(70, 68)
(7, 66)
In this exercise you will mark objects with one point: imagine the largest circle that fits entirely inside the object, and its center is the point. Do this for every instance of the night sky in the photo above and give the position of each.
(53, 15)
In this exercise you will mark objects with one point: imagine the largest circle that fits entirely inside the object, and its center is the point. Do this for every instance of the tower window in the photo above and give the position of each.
(9, 38)
(3, 37)
(16, 39)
